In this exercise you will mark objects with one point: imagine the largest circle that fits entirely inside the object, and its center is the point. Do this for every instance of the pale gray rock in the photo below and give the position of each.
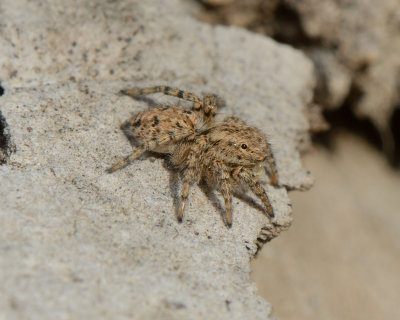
(76, 242)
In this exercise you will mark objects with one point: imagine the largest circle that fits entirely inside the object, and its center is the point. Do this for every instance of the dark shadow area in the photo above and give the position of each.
(149, 101)
(212, 197)
(250, 201)
(344, 118)
(152, 102)
(6, 147)
(287, 28)
(395, 130)
(220, 207)
(3, 137)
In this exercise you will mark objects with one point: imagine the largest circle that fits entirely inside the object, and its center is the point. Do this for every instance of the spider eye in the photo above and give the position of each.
(244, 146)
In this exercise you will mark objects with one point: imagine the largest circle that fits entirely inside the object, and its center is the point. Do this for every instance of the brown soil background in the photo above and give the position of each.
(341, 257)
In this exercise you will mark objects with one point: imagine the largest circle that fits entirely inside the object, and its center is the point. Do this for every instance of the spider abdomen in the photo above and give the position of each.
(162, 127)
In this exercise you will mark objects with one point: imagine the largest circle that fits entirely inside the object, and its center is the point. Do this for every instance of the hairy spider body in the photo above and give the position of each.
(225, 154)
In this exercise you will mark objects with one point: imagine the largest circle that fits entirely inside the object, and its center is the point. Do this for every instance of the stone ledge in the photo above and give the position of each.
(77, 242)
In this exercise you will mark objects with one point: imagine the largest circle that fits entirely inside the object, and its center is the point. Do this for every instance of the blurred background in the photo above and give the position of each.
(341, 257)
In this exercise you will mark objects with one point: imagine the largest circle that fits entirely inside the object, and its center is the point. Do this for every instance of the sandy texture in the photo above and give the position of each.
(76, 242)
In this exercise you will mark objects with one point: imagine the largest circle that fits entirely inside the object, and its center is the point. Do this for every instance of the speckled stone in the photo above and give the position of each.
(76, 242)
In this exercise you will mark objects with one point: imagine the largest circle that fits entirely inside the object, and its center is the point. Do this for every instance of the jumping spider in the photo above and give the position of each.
(224, 154)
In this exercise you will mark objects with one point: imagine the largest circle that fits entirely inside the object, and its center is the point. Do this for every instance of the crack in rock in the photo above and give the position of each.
(6, 146)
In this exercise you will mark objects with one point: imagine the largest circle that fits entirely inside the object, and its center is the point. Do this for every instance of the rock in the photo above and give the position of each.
(366, 39)
(78, 242)
(353, 44)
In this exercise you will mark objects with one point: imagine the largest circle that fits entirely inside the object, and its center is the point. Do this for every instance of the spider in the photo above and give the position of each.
(225, 154)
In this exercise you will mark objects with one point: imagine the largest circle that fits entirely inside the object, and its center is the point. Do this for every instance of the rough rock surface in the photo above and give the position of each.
(76, 242)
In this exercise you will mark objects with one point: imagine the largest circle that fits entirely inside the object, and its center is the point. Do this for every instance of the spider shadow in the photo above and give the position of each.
(250, 201)
(220, 207)
(142, 98)
(175, 186)
(215, 201)
(210, 193)
(152, 103)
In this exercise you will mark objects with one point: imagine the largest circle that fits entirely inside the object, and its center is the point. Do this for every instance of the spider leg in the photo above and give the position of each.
(127, 160)
(240, 173)
(222, 174)
(191, 173)
(272, 168)
(206, 106)
(187, 184)
(175, 92)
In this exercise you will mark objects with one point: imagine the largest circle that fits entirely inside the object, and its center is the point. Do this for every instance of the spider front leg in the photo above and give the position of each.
(272, 168)
(191, 174)
(240, 173)
(127, 160)
(222, 176)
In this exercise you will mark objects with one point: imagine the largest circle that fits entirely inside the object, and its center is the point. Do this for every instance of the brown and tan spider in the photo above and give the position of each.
(225, 154)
